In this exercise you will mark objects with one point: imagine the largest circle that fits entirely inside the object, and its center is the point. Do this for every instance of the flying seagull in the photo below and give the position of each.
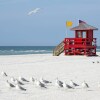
(34, 11)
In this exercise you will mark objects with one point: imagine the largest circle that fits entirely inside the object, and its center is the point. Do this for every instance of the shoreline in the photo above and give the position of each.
(98, 53)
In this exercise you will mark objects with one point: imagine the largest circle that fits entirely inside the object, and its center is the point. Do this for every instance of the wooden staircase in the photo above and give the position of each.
(58, 49)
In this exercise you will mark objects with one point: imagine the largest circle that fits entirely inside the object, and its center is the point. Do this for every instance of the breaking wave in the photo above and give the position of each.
(25, 50)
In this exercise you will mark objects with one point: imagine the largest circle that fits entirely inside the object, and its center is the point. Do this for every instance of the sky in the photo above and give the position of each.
(48, 26)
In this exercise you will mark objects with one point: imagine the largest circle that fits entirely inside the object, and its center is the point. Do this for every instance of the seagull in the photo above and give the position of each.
(4, 74)
(23, 79)
(39, 84)
(34, 11)
(18, 82)
(44, 81)
(66, 86)
(97, 61)
(32, 79)
(85, 85)
(73, 84)
(13, 79)
(18, 87)
(8, 84)
(93, 62)
(58, 83)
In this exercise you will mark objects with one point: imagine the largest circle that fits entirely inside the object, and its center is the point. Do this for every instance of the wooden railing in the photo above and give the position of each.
(58, 49)
(80, 42)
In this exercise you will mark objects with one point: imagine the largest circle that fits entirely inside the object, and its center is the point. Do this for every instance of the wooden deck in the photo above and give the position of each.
(80, 46)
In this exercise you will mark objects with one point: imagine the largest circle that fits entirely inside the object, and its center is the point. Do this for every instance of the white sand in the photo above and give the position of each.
(66, 68)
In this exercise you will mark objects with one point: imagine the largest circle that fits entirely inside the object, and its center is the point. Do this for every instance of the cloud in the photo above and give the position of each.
(34, 11)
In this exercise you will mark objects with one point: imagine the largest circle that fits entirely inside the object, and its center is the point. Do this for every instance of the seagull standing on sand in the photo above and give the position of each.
(18, 82)
(93, 62)
(58, 83)
(8, 84)
(44, 81)
(4, 74)
(39, 84)
(23, 79)
(32, 79)
(12, 79)
(66, 86)
(34, 11)
(73, 84)
(18, 87)
(85, 85)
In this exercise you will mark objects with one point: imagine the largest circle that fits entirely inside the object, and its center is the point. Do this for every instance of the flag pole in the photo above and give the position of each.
(66, 32)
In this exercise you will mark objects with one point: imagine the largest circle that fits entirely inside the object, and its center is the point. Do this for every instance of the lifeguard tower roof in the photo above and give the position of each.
(83, 26)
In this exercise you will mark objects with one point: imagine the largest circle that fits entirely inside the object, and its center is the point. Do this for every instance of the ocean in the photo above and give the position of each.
(23, 50)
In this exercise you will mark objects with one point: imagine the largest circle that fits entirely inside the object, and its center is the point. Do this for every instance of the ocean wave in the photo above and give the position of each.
(98, 50)
(19, 52)
(23, 50)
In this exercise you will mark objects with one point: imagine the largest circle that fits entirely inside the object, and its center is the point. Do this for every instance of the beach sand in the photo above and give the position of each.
(66, 68)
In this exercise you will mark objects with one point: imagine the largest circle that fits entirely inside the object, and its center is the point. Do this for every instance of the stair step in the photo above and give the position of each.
(58, 49)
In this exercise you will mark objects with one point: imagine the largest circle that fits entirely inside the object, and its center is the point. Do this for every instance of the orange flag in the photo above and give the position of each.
(69, 23)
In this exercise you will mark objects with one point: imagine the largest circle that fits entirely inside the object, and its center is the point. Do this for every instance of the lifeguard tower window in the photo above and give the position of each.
(84, 34)
(79, 34)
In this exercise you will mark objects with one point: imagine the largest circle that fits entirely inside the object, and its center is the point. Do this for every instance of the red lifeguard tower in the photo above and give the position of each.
(83, 44)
